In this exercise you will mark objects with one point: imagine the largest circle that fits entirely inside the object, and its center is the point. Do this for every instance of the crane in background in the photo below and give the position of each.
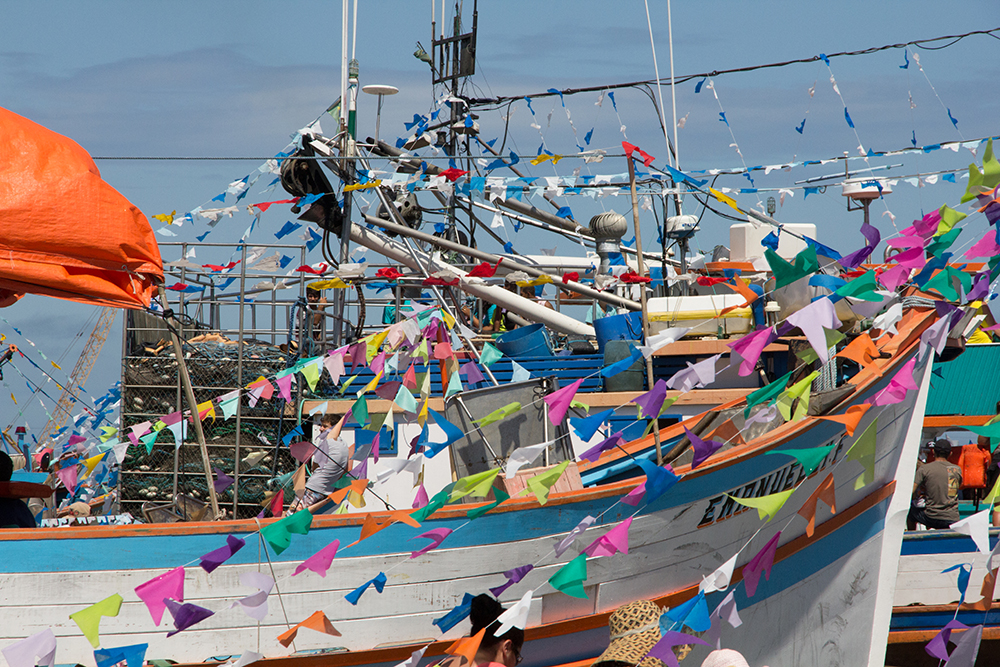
(62, 412)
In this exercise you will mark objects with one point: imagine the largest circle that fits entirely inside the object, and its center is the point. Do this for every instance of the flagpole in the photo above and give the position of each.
(642, 300)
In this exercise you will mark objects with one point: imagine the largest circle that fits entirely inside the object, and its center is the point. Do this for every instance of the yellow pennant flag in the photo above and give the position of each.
(109, 432)
(863, 451)
(91, 463)
(725, 199)
(422, 415)
(800, 391)
(56, 365)
(89, 619)
(448, 319)
(766, 505)
(541, 158)
(206, 410)
(333, 283)
(541, 484)
(166, 218)
(311, 373)
(374, 342)
(371, 385)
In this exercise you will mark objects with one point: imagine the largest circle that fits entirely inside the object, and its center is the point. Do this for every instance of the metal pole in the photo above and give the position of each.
(642, 300)
(239, 383)
(193, 403)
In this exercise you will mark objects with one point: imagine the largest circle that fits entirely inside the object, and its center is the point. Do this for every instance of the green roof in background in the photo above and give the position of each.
(967, 385)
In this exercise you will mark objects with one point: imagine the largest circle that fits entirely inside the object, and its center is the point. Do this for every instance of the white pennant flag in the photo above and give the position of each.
(565, 543)
(719, 580)
(977, 527)
(516, 616)
(522, 456)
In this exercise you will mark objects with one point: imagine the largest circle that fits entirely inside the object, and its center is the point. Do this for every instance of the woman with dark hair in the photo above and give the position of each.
(504, 650)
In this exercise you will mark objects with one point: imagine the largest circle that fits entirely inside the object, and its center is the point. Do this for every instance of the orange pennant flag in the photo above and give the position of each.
(851, 418)
(299, 481)
(335, 431)
(357, 485)
(467, 647)
(373, 525)
(824, 492)
(989, 585)
(743, 290)
(861, 350)
(318, 622)
(728, 433)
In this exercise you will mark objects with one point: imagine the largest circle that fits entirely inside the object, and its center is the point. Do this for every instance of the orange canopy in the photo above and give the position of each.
(64, 232)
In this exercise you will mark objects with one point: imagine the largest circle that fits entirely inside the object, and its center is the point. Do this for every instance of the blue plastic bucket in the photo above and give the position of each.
(529, 341)
(618, 327)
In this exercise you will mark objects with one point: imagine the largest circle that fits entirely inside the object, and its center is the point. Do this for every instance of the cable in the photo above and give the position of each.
(749, 68)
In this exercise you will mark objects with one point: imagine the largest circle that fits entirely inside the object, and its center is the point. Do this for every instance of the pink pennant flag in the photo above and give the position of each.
(359, 352)
(436, 537)
(137, 431)
(443, 351)
(77, 439)
(634, 497)
(335, 365)
(985, 247)
(894, 277)
(559, 401)
(302, 451)
(155, 591)
(285, 387)
(410, 378)
(751, 346)
(905, 241)
(378, 363)
(611, 542)
(935, 336)
(912, 258)
(420, 499)
(260, 389)
(813, 319)
(68, 476)
(760, 564)
(900, 383)
(320, 561)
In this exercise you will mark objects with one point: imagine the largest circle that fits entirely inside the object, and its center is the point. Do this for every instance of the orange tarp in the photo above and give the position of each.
(64, 232)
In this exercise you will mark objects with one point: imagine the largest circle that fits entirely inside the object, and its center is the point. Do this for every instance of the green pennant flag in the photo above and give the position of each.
(439, 500)
(766, 393)
(498, 414)
(404, 399)
(989, 430)
(785, 273)
(477, 485)
(943, 242)
(579, 404)
(570, 577)
(949, 218)
(809, 459)
(766, 505)
(799, 390)
(863, 451)
(863, 287)
(360, 410)
(454, 385)
(490, 355)
(985, 180)
(310, 371)
(667, 402)
(501, 496)
(149, 439)
(89, 619)
(809, 355)
(279, 533)
(229, 407)
(944, 282)
(542, 483)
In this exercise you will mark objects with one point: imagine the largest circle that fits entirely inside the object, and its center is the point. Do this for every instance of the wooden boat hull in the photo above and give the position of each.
(822, 595)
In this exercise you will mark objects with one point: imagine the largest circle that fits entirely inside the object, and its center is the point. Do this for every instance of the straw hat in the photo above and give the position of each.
(726, 657)
(635, 628)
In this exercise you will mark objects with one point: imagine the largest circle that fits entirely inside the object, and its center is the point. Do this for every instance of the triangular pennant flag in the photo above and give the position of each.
(378, 582)
(659, 479)
(861, 350)
(467, 647)
(976, 526)
(702, 448)
(586, 427)
(663, 649)
(760, 564)
(436, 536)
(278, 534)
(255, 605)
(89, 619)
(317, 621)
(900, 384)
(851, 418)
(863, 451)
(452, 434)
(720, 579)
(611, 542)
(766, 505)
(559, 400)
(750, 347)
(513, 576)
(518, 372)
(501, 497)
(692, 614)
(649, 404)
(516, 616)
(133, 655)
(570, 577)
(522, 456)
(766, 393)
(186, 615)
(565, 542)
(727, 611)
(818, 316)
(541, 484)
(797, 394)
(498, 414)
(809, 459)
(213, 559)
(156, 590)
(477, 485)
(23, 653)
(825, 492)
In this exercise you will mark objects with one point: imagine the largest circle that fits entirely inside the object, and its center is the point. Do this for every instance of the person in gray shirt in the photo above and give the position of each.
(940, 481)
(329, 463)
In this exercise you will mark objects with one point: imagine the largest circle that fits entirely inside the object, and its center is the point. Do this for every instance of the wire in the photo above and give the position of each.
(749, 68)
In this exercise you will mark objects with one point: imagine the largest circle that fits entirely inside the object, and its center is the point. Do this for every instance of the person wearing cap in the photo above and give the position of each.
(940, 481)
(635, 629)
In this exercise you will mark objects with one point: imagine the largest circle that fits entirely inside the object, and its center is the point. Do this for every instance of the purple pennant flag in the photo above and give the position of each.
(664, 649)
(595, 452)
(388, 390)
(856, 258)
(651, 402)
(938, 647)
(471, 372)
(214, 559)
(513, 576)
(378, 363)
(981, 288)
(222, 481)
(702, 448)
(760, 564)
(358, 355)
(186, 615)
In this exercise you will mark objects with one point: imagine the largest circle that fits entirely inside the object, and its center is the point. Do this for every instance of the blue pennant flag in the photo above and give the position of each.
(451, 433)
(906, 60)
(287, 229)
(378, 582)
(697, 86)
(314, 239)
(559, 93)
(586, 427)
(847, 117)
(455, 616)
(586, 137)
(801, 126)
(952, 119)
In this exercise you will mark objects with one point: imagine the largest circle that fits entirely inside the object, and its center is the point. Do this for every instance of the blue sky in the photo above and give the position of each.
(238, 78)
